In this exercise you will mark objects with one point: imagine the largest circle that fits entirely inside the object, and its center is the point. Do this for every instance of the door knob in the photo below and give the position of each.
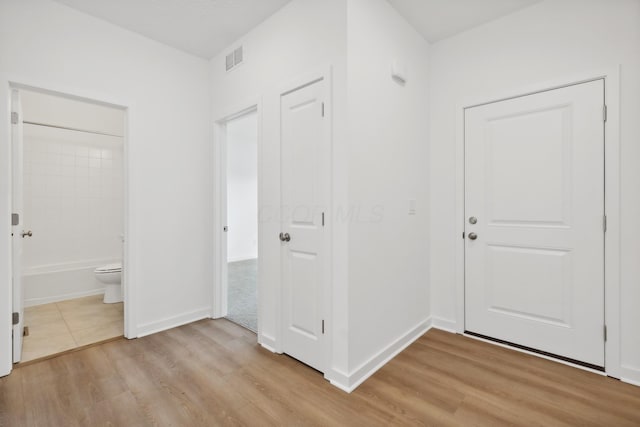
(285, 237)
(473, 236)
(27, 233)
(473, 220)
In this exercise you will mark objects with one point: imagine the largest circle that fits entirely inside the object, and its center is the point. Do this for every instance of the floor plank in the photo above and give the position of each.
(214, 373)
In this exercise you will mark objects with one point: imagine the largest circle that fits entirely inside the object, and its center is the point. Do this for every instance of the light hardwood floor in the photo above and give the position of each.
(65, 325)
(213, 373)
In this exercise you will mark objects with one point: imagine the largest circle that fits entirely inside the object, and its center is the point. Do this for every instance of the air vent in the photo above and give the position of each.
(229, 61)
(234, 59)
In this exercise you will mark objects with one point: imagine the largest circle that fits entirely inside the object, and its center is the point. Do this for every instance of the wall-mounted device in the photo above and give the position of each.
(234, 59)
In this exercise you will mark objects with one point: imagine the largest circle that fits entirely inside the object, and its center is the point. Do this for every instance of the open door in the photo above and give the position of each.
(18, 233)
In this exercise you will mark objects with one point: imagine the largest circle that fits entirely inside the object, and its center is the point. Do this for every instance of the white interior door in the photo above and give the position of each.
(303, 201)
(534, 259)
(17, 229)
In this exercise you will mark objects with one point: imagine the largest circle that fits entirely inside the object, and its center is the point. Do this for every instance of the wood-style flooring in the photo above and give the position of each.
(213, 373)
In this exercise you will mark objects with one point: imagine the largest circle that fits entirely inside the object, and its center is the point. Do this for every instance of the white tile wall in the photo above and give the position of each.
(73, 197)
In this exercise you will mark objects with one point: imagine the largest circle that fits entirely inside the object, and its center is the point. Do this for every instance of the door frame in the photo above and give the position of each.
(219, 302)
(611, 79)
(7, 84)
(324, 74)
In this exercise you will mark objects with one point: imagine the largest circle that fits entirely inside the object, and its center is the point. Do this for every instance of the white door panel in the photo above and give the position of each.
(303, 200)
(535, 182)
(17, 239)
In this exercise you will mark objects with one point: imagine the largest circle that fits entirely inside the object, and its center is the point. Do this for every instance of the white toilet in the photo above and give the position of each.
(111, 276)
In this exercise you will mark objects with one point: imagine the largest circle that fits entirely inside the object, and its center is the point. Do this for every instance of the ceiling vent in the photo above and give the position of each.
(234, 59)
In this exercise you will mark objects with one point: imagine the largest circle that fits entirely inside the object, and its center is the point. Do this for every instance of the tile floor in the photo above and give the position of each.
(65, 325)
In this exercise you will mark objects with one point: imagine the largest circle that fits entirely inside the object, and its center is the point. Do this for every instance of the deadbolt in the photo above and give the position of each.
(473, 220)
(473, 236)
(285, 237)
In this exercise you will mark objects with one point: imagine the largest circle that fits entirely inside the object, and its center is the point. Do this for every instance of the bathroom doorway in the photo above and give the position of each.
(241, 230)
(68, 229)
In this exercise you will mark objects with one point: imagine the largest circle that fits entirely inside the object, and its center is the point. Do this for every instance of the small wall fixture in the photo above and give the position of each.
(399, 72)
(234, 59)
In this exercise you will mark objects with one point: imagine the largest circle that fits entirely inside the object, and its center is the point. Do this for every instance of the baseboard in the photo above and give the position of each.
(444, 324)
(268, 347)
(338, 379)
(173, 321)
(368, 368)
(268, 342)
(630, 375)
(630, 381)
(57, 298)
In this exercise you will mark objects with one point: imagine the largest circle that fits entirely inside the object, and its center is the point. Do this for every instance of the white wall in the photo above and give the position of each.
(380, 286)
(242, 188)
(46, 108)
(548, 41)
(388, 166)
(43, 43)
(303, 37)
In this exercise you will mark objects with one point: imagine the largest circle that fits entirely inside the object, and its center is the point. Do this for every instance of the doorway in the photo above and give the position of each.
(535, 222)
(68, 196)
(241, 213)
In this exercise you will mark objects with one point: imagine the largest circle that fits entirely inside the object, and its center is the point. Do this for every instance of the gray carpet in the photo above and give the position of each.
(243, 293)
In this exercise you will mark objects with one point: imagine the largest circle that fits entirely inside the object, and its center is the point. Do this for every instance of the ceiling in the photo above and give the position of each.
(200, 27)
(439, 19)
(205, 27)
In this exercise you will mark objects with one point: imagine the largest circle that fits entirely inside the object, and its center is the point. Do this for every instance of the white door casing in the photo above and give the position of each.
(534, 179)
(304, 191)
(17, 230)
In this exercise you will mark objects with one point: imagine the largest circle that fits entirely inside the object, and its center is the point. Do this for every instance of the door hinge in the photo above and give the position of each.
(604, 223)
(14, 118)
(323, 109)
(604, 332)
(15, 219)
(322, 326)
(15, 318)
(323, 219)
(604, 113)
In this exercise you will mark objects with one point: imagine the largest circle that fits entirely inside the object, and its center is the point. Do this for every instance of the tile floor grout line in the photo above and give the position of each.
(93, 333)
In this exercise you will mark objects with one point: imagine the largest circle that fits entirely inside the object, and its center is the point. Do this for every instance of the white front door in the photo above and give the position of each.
(534, 205)
(17, 229)
(304, 190)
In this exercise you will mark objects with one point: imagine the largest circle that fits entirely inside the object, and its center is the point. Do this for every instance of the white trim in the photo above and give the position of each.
(268, 347)
(630, 381)
(367, 369)
(630, 374)
(73, 295)
(13, 81)
(612, 203)
(173, 321)
(444, 324)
